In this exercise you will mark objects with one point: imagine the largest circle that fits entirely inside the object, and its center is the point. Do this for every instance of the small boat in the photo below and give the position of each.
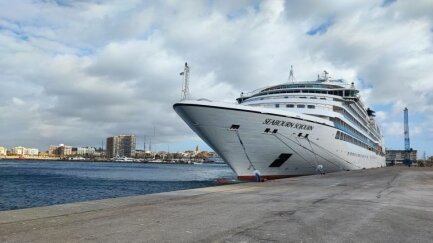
(123, 159)
(155, 161)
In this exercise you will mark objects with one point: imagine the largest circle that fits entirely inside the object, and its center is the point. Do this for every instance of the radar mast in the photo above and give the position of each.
(185, 86)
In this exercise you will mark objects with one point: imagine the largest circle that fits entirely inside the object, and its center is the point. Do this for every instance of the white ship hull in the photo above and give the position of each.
(289, 151)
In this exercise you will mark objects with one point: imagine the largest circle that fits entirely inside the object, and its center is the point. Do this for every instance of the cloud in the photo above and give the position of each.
(76, 72)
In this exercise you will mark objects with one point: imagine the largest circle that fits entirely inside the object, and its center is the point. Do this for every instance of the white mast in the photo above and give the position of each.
(291, 76)
(185, 87)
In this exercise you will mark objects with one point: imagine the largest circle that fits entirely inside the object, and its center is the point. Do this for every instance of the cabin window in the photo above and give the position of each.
(277, 105)
(290, 105)
(303, 97)
(323, 98)
(311, 107)
(300, 106)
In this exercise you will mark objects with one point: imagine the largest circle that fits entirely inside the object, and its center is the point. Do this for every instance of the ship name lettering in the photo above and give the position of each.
(282, 123)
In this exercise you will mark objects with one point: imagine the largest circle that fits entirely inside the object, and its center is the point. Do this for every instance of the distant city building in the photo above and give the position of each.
(122, 145)
(398, 156)
(22, 151)
(32, 152)
(141, 153)
(60, 150)
(52, 150)
(65, 150)
(85, 151)
(17, 150)
(3, 151)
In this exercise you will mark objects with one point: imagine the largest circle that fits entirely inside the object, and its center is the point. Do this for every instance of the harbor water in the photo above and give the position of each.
(32, 184)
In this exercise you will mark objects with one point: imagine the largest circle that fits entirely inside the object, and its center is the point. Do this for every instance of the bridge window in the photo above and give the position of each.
(311, 107)
(290, 105)
(300, 106)
(277, 105)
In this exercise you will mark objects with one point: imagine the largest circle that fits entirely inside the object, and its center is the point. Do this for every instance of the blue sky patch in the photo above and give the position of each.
(321, 29)
(236, 14)
(364, 84)
(16, 32)
(386, 3)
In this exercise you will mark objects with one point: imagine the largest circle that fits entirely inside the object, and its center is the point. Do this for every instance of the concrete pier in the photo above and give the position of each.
(380, 205)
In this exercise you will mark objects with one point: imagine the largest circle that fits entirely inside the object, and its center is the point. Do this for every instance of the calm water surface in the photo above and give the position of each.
(31, 184)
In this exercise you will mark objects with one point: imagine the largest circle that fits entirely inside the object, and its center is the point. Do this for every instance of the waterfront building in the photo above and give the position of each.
(65, 150)
(60, 150)
(398, 156)
(22, 151)
(32, 152)
(141, 154)
(52, 150)
(19, 150)
(86, 151)
(3, 151)
(121, 145)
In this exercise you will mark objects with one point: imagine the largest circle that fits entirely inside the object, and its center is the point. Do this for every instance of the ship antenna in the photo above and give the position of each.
(185, 87)
(291, 76)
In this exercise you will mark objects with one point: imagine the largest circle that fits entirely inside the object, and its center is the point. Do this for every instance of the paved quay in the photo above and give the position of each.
(380, 205)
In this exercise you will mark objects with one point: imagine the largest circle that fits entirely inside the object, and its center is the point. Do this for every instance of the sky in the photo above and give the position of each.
(76, 72)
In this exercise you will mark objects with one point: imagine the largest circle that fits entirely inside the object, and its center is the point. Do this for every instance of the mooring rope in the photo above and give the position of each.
(315, 155)
(245, 151)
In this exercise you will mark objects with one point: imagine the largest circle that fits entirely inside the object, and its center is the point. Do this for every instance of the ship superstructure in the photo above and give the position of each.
(290, 129)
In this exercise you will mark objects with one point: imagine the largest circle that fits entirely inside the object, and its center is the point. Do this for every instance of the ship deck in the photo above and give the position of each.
(377, 205)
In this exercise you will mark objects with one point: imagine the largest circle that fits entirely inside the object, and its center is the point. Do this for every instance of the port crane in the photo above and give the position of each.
(407, 149)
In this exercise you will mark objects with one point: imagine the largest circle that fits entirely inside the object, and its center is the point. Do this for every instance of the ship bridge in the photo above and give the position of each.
(330, 87)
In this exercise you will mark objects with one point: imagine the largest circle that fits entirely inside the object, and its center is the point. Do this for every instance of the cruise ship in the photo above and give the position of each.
(290, 129)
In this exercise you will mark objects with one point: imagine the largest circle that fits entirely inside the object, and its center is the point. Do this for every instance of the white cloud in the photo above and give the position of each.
(113, 67)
